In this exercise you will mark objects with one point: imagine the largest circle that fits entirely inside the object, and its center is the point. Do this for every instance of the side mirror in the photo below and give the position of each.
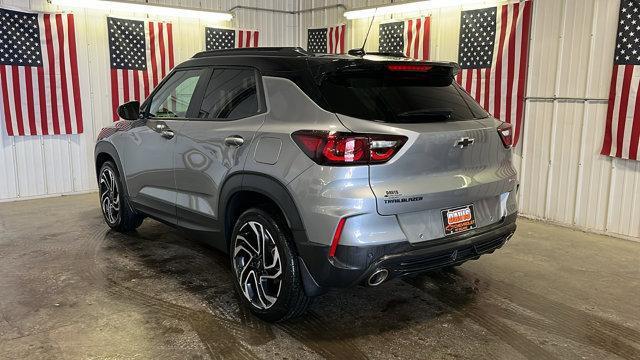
(129, 110)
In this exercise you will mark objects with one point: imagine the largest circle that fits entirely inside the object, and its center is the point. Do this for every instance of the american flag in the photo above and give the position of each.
(327, 40)
(493, 48)
(622, 130)
(141, 54)
(409, 37)
(220, 39)
(39, 74)
(247, 38)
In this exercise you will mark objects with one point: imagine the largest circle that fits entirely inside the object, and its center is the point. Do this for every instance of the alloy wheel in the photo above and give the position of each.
(109, 195)
(257, 264)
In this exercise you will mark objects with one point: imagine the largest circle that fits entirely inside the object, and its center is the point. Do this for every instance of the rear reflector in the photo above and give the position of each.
(408, 67)
(336, 237)
(506, 134)
(344, 149)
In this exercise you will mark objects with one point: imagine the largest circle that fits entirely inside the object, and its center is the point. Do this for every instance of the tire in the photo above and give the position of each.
(266, 277)
(114, 203)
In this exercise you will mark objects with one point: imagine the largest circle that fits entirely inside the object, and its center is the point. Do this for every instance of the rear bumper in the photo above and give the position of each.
(354, 264)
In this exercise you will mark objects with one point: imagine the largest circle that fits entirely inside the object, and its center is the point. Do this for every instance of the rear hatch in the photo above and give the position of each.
(453, 158)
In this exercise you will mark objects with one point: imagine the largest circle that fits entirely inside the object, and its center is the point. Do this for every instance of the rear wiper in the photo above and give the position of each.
(441, 113)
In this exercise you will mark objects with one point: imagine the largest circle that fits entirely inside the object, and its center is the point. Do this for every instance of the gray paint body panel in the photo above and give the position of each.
(203, 161)
(431, 174)
(289, 109)
(148, 164)
(268, 150)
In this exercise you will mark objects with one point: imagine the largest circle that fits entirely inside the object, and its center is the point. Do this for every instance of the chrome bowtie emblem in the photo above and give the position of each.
(464, 142)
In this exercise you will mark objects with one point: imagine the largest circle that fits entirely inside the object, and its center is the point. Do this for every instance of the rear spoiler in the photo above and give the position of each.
(375, 62)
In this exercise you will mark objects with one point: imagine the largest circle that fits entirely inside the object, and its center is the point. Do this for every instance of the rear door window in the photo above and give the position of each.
(232, 93)
(399, 98)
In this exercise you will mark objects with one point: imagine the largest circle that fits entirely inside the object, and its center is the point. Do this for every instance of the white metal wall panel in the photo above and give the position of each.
(605, 17)
(624, 199)
(29, 160)
(583, 188)
(592, 189)
(8, 171)
(444, 42)
(544, 46)
(276, 28)
(564, 157)
(576, 44)
(56, 165)
(533, 176)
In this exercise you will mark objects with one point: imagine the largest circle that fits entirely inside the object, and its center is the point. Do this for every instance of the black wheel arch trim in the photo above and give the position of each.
(264, 185)
(105, 147)
(278, 193)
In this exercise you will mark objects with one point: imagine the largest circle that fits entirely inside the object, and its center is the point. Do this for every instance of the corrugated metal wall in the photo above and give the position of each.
(48, 165)
(563, 177)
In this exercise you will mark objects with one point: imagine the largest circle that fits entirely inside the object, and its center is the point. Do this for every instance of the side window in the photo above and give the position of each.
(230, 94)
(173, 98)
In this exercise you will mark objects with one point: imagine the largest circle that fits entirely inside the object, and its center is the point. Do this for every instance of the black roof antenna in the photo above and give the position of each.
(361, 52)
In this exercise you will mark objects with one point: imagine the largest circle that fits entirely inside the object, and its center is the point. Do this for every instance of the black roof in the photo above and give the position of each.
(278, 59)
(285, 52)
(303, 68)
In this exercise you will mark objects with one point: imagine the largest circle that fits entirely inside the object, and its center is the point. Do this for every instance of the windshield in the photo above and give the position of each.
(399, 98)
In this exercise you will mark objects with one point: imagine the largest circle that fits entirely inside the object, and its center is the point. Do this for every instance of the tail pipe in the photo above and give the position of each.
(378, 277)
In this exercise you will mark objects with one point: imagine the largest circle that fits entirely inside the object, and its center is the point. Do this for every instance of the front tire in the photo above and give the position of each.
(117, 211)
(265, 267)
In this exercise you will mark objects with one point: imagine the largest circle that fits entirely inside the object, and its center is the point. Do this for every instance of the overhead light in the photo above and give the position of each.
(129, 6)
(406, 8)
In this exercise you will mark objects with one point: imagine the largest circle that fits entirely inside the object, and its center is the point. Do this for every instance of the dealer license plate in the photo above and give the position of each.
(458, 220)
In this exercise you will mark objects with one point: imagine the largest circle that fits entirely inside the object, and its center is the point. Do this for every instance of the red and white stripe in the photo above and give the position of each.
(247, 38)
(335, 39)
(129, 85)
(45, 100)
(622, 130)
(500, 89)
(416, 38)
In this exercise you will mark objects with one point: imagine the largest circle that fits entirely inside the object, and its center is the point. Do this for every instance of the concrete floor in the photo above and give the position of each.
(70, 288)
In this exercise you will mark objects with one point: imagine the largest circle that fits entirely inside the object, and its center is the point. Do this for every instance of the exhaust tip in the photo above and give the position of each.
(378, 277)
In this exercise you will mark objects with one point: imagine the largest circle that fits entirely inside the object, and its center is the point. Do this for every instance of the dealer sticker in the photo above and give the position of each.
(458, 220)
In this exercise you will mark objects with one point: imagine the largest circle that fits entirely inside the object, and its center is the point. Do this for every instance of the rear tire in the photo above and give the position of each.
(265, 267)
(116, 209)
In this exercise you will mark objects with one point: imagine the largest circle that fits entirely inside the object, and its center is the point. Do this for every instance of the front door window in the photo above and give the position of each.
(173, 98)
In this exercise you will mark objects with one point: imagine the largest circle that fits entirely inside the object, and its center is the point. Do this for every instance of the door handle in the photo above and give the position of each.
(167, 133)
(235, 140)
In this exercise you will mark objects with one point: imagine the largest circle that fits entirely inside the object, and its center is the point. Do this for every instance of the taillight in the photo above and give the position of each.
(343, 149)
(506, 134)
(409, 67)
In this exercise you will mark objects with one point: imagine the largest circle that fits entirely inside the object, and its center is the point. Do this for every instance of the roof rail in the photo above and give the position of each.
(257, 51)
(390, 54)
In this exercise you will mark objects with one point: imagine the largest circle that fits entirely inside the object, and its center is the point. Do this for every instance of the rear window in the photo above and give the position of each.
(230, 94)
(399, 97)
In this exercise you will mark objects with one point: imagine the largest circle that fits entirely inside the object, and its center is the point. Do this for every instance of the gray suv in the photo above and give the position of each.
(313, 172)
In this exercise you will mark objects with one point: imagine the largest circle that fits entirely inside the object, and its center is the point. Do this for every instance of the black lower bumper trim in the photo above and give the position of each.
(405, 264)
(353, 265)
